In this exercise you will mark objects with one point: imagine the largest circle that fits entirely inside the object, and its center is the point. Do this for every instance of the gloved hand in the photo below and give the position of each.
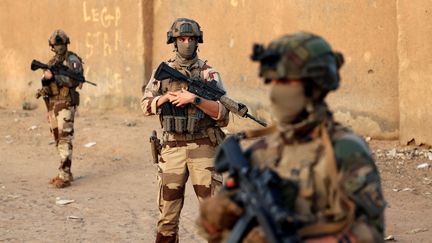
(255, 235)
(218, 213)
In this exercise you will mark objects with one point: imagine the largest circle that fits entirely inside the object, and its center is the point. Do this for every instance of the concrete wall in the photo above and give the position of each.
(385, 76)
(107, 34)
(415, 71)
(365, 31)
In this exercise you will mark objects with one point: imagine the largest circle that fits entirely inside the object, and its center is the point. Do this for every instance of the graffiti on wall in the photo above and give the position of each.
(107, 39)
(103, 42)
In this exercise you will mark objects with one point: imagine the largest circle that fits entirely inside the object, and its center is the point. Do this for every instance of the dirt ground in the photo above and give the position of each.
(115, 188)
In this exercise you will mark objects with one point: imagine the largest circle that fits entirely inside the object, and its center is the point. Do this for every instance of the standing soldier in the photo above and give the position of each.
(334, 188)
(191, 128)
(61, 97)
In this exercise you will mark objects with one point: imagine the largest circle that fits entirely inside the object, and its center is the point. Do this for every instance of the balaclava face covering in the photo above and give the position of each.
(287, 101)
(187, 50)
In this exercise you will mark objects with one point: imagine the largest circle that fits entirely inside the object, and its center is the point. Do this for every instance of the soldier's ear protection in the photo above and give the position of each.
(339, 59)
(324, 71)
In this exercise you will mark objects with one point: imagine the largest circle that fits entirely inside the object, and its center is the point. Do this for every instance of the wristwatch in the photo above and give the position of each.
(197, 100)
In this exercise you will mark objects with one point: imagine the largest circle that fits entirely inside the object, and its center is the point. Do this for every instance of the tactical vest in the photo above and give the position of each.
(188, 120)
(320, 204)
(64, 93)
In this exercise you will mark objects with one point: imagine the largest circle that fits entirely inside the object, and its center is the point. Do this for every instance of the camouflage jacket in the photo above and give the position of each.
(74, 63)
(355, 201)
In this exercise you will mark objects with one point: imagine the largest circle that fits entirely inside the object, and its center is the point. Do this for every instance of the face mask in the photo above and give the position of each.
(59, 49)
(287, 101)
(186, 50)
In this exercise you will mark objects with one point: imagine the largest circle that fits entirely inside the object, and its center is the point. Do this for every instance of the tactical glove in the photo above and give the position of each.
(218, 213)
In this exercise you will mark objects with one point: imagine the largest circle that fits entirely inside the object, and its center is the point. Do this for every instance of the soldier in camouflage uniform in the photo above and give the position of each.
(340, 197)
(191, 128)
(62, 99)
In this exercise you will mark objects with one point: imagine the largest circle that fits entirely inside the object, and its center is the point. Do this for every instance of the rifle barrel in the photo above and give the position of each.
(262, 123)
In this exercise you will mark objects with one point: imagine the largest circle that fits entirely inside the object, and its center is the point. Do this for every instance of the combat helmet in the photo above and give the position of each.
(184, 27)
(301, 56)
(58, 37)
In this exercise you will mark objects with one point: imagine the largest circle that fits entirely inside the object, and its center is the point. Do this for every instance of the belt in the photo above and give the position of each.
(169, 136)
(199, 141)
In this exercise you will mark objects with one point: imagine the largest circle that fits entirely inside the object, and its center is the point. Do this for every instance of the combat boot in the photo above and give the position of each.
(59, 182)
(160, 238)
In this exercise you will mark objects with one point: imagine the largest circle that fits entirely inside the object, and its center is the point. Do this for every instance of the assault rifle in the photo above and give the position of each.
(207, 90)
(60, 69)
(266, 198)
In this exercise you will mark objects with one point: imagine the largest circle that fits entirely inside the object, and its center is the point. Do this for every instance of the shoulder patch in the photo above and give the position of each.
(74, 63)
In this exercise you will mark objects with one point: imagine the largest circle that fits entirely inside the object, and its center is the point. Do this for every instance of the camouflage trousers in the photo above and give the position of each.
(176, 164)
(61, 118)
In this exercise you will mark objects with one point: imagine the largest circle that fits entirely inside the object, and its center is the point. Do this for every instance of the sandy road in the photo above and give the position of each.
(115, 188)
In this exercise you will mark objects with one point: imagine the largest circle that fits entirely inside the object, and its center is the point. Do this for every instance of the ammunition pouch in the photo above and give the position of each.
(64, 92)
(195, 115)
(75, 97)
(216, 135)
(180, 124)
(54, 89)
(167, 118)
(174, 119)
(191, 123)
(168, 123)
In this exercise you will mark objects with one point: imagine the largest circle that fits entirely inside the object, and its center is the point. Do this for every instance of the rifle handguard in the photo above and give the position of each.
(236, 108)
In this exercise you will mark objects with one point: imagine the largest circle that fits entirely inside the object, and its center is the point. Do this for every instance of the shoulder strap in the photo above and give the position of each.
(251, 134)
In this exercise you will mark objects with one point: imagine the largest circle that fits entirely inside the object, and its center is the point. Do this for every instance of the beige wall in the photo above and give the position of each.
(415, 70)
(385, 76)
(365, 31)
(107, 34)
